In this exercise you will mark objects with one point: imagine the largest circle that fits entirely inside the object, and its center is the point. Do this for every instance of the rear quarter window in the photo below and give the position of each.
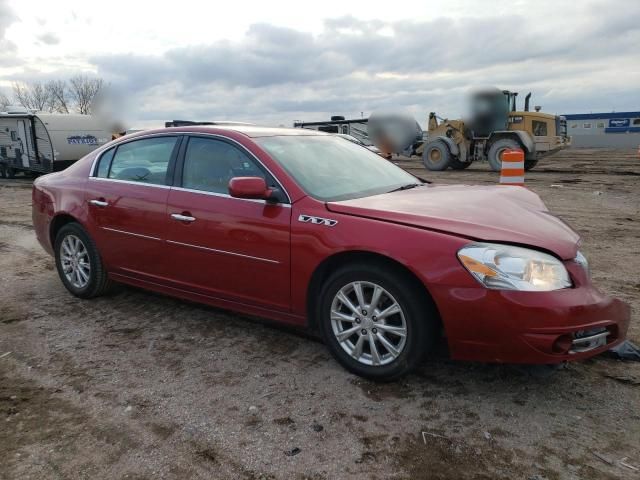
(104, 163)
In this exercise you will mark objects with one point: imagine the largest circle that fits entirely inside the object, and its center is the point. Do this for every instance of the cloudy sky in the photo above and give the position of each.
(273, 62)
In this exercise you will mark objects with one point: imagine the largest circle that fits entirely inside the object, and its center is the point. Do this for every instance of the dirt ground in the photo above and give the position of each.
(140, 386)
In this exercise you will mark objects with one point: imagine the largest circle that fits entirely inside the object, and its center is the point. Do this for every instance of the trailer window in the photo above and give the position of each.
(104, 163)
(144, 161)
(14, 136)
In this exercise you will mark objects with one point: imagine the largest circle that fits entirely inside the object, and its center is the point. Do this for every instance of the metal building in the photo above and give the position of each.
(604, 130)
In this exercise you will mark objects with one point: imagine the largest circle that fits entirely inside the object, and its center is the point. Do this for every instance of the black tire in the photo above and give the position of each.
(98, 282)
(419, 314)
(458, 165)
(10, 172)
(3, 171)
(436, 156)
(529, 164)
(495, 152)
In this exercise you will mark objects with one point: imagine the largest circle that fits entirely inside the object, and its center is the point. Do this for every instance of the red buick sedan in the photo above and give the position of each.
(308, 229)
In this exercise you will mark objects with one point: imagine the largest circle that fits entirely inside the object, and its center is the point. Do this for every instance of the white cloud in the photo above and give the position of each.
(273, 62)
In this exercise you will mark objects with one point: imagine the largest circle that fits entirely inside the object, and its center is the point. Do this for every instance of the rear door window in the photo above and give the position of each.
(144, 161)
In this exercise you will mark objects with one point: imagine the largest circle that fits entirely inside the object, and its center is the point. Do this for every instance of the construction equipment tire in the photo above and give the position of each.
(436, 156)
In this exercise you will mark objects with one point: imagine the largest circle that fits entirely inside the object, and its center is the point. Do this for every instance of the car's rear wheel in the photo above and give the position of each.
(79, 264)
(376, 322)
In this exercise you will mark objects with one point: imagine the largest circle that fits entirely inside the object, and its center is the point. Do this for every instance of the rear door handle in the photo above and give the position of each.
(182, 218)
(99, 203)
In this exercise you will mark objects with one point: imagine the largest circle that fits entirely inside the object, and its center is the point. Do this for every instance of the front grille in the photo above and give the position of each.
(586, 340)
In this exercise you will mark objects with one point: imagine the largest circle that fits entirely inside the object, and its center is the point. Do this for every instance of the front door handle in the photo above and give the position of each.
(99, 203)
(183, 218)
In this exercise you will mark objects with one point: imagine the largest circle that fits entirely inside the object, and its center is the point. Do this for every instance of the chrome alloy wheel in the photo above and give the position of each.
(368, 323)
(75, 261)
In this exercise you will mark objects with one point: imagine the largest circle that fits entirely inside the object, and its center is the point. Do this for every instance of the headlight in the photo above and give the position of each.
(504, 267)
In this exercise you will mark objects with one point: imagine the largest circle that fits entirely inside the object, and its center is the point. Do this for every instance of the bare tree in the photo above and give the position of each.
(58, 96)
(21, 94)
(83, 90)
(33, 96)
(4, 101)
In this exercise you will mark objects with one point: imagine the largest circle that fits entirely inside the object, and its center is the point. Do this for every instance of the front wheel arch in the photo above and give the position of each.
(353, 257)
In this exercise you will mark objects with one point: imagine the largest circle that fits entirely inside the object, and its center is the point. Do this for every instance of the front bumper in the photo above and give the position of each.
(531, 327)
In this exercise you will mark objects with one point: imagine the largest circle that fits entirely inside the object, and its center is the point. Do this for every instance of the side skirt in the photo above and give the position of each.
(287, 318)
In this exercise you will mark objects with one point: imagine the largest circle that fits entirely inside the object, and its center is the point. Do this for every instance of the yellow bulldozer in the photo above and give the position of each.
(495, 126)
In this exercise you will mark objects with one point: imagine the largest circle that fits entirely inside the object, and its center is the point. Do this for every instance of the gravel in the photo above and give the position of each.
(137, 385)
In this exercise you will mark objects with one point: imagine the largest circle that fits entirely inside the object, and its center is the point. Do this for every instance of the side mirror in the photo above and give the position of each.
(249, 187)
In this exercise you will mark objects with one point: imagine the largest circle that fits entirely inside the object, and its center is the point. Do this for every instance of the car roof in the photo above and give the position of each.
(252, 131)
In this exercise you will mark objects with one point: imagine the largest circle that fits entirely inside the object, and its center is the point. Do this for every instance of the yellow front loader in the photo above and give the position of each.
(494, 127)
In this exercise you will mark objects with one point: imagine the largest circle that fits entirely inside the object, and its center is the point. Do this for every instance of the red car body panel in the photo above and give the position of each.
(259, 258)
(507, 214)
(135, 218)
(232, 244)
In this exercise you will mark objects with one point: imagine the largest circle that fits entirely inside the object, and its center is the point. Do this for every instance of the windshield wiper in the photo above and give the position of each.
(408, 186)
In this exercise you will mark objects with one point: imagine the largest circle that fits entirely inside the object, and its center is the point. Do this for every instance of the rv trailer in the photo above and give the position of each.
(43, 143)
(356, 128)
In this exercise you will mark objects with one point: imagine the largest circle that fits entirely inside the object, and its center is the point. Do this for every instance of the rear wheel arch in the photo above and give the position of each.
(78, 261)
(59, 221)
(324, 270)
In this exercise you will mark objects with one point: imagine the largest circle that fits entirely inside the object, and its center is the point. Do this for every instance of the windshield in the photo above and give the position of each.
(330, 169)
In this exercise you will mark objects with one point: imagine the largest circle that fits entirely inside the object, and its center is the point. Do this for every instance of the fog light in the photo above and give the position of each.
(562, 344)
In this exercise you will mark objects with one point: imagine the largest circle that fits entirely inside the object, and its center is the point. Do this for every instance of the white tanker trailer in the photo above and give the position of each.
(42, 143)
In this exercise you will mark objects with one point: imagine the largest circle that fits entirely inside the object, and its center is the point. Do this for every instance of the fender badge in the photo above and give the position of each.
(327, 222)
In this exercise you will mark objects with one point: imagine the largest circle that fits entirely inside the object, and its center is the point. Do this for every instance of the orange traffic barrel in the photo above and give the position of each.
(512, 171)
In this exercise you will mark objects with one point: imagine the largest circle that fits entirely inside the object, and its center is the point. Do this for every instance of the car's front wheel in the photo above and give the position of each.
(376, 321)
(79, 264)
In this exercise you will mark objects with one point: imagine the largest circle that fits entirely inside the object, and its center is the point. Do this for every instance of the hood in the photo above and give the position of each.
(489, 213)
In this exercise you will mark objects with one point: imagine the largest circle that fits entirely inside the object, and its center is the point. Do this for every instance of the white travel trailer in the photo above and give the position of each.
(356, 128)
(43, 143)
